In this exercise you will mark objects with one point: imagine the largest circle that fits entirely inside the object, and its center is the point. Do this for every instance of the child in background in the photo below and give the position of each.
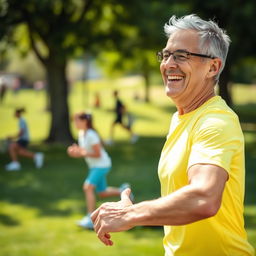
(90, 147)
(19, 147)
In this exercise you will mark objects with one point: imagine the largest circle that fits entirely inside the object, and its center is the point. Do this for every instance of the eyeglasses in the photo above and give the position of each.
(179, 55)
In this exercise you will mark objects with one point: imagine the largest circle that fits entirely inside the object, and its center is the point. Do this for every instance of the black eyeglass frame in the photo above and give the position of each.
(160, 54)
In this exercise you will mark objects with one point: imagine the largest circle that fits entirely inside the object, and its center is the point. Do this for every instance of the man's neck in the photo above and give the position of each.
(194, 103)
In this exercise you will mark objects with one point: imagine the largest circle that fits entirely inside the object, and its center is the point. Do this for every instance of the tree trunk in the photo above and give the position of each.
(146, 79)
(58, 90)
(225, 86)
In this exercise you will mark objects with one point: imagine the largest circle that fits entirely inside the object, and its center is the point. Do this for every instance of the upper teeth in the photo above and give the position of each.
(174, 77)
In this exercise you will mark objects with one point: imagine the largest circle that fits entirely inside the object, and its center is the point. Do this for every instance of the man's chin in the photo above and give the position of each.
(170, 92)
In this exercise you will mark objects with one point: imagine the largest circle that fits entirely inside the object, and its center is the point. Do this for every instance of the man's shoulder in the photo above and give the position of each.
(216, 107)
(219, 117)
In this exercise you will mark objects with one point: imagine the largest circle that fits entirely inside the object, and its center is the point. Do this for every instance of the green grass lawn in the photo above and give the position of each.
(39, 208)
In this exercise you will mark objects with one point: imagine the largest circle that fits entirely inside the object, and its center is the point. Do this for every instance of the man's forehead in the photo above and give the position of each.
(183, 39)
(184, 34)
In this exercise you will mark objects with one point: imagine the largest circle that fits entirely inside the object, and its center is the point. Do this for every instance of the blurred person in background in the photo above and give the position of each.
(202, 167)
(3, 89)
(90, 147)
(120, 114)
(19, 143)
(97, 100)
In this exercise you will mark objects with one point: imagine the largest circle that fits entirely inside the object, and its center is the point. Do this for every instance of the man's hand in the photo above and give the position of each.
(112, 217)
(75, 151)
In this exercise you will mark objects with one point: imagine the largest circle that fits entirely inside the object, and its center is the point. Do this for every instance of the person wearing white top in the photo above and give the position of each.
(90, 147)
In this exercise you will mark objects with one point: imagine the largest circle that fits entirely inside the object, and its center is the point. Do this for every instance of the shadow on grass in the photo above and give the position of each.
(169, 108)
(56, 189)
(146, 231)
(250, 163)
(247, 117)
(8, 221)
(44, 188)
(246, 113)
(250, 221)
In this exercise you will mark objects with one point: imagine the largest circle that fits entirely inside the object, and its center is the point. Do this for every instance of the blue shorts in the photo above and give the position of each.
(98, 177)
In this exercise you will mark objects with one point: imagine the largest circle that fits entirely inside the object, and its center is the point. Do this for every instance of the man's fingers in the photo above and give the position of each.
(107, 235)
(94, 215)
(103, 217)
(125, 195)
(96, 225)
(104, 237)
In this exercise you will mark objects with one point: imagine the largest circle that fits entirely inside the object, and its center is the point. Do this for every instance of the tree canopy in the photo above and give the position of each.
(131, 31)
(59, 30)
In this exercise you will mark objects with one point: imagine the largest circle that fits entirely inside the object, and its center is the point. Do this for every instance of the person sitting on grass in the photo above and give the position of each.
(90, 147)
(19, 147)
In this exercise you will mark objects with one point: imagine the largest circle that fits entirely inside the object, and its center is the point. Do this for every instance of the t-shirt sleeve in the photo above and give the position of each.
(93, 138)
(22, 124)
(215, 141)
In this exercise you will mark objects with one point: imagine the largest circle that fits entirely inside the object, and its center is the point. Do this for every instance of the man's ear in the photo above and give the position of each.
(214, 67)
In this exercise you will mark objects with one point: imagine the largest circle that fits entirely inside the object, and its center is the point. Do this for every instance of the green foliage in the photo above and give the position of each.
(135, 52)
(23, 66)
(122, 35)
(245, 70)
(239, 24)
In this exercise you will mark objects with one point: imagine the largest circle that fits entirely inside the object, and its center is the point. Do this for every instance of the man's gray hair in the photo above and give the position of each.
(213, 40)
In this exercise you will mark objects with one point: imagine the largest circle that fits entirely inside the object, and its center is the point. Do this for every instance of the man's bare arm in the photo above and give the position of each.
(200, 199)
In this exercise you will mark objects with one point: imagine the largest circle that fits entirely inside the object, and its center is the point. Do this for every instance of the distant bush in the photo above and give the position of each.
(245, 71)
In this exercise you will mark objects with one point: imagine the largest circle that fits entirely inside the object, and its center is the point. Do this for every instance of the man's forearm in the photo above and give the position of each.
(179, 208)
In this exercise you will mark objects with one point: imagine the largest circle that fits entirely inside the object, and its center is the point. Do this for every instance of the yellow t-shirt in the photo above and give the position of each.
(211, 134)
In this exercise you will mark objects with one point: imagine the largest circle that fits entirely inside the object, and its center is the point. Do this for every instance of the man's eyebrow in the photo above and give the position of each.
(166, 50)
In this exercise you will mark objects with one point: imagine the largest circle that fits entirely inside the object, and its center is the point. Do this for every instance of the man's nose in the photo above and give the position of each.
(170, 62)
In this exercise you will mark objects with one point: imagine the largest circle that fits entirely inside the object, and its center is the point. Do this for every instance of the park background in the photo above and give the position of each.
(54, 57)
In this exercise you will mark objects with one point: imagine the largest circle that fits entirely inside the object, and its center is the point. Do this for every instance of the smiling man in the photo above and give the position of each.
(201, 168)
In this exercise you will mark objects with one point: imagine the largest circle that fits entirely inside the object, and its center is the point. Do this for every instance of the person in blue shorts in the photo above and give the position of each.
(19, 144)
(90, 147)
